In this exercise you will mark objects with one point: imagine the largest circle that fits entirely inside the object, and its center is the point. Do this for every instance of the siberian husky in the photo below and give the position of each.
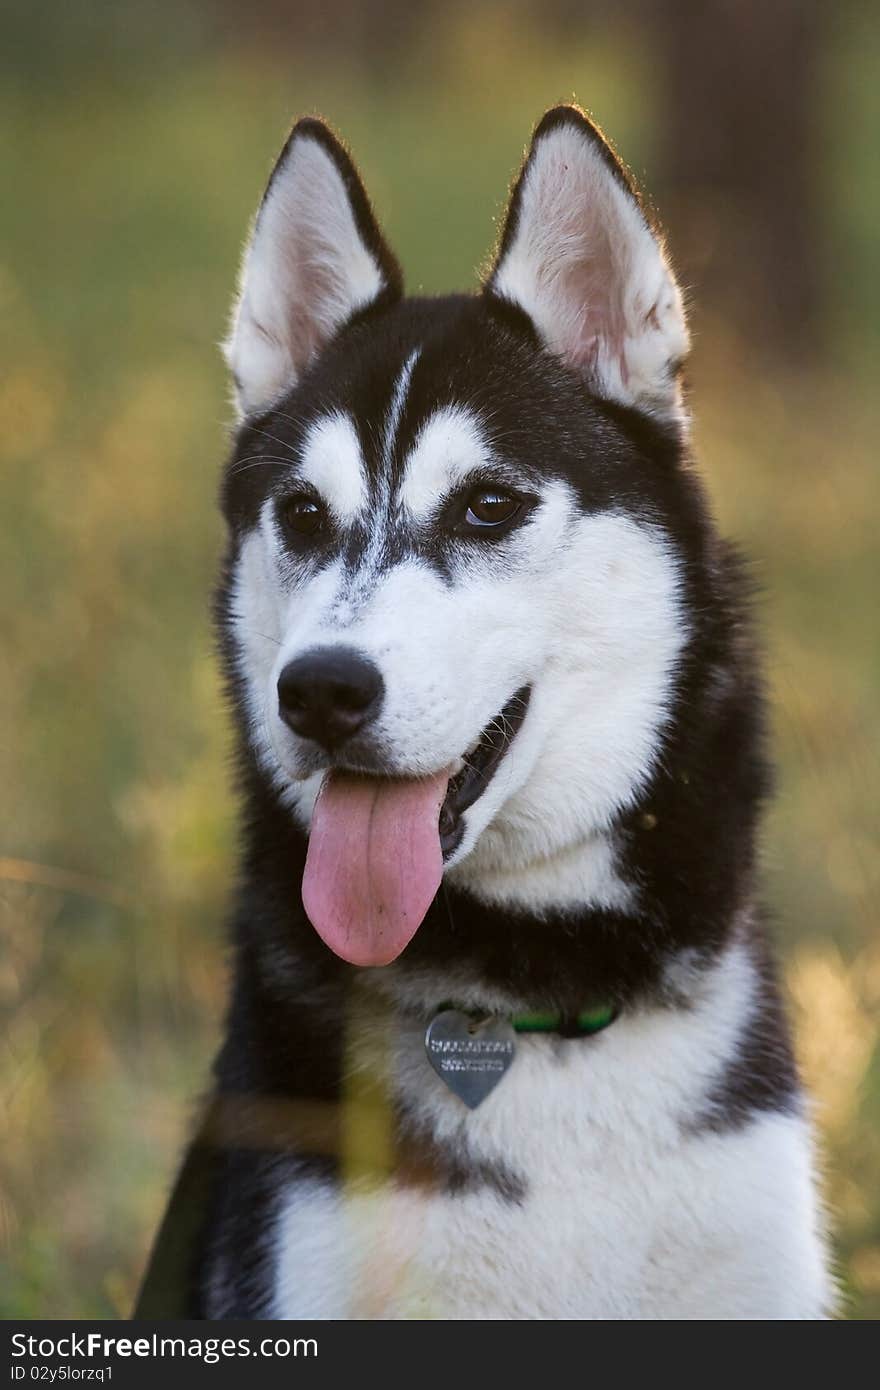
(505, 1038)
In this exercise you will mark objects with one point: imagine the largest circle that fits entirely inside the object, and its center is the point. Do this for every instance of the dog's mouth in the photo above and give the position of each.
(377, 845)
(478, 769)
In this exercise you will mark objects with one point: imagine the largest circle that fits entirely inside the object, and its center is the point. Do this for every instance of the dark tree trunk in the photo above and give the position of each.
(739, 170)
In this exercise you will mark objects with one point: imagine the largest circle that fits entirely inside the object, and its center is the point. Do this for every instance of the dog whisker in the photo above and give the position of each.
(274, 437)
(255, 461)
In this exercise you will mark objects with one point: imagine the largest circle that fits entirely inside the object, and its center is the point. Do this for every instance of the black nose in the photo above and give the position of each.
(329, 694)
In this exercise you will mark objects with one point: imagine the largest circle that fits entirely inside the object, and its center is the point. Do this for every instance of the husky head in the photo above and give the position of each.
(459, 538)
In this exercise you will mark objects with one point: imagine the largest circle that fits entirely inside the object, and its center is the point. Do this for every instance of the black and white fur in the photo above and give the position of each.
(663, 1168)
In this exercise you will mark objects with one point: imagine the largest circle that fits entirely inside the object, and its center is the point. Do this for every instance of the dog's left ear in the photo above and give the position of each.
(316, 257)
(578, 256)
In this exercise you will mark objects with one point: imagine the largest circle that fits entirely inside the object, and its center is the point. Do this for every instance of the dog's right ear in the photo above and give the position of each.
(315, 258)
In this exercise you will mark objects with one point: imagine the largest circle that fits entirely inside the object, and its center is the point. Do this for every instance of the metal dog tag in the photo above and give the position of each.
(471, 1057)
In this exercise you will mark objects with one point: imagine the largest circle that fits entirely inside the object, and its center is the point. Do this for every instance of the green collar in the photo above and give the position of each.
(588, 1021)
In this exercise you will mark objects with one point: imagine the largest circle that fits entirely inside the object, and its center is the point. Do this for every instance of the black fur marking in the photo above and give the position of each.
(443, 1165)
(236, 1277)
(763, 1075)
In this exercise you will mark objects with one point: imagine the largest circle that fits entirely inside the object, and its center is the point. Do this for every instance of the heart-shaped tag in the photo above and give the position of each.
(470, 1057)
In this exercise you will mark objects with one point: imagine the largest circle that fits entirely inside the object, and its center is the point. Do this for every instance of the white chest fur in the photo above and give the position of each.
(628, 1211)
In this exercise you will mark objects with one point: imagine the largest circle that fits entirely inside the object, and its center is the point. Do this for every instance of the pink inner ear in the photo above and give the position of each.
(316, 294)
(590, 275)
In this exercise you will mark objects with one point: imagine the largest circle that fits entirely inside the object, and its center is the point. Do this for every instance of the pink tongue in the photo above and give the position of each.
(374, 863)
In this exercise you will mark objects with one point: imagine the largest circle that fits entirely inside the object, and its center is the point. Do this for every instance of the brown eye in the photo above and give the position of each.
(303, 515)
(490, 507)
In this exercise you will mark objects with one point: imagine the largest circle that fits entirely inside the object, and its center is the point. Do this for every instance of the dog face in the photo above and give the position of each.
(456, 523)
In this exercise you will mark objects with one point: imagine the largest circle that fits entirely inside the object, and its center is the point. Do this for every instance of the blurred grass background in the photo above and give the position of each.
(134, 143)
